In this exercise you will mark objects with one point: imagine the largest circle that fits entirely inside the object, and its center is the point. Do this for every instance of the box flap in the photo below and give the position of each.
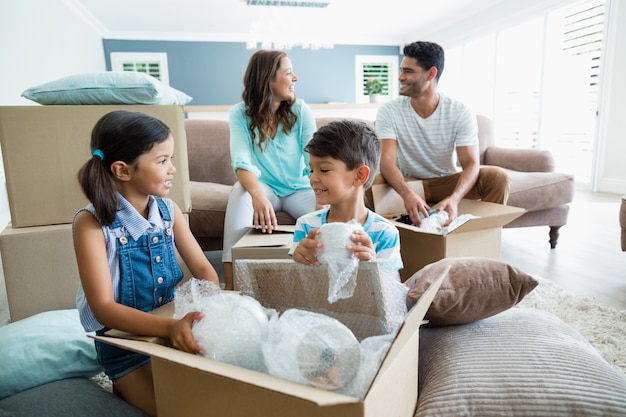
(256, 238)
(487, 216)
(225, 370)
(414, 318)
(387, 202)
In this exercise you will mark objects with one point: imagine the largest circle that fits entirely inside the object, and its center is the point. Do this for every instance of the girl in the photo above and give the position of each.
(124, 244)
(268, 132)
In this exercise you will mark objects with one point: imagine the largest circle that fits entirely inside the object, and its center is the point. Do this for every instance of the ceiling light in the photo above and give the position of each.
(288, 3)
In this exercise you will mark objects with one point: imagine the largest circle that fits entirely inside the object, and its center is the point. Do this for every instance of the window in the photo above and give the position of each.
(539, 82)
(154, 64)
(383, 67)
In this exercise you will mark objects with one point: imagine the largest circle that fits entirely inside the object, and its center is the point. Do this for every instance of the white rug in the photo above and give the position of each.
(603, 327)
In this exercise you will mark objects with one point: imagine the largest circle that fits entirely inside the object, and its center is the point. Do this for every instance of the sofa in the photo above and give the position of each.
(211, 178)
(535, 186)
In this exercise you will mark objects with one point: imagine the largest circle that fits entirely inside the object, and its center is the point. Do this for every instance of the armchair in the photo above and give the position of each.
(535, 185)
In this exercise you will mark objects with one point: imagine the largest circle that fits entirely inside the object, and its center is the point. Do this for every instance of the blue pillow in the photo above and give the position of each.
(110, 87)
(42, 348)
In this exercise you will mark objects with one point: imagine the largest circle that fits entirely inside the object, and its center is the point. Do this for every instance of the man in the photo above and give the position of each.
(426, 135)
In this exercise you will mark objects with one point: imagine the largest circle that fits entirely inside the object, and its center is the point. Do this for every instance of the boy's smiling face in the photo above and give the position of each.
(331, 180)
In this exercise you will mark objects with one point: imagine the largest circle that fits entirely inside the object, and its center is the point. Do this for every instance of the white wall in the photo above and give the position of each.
(611, 147)
(42, 40)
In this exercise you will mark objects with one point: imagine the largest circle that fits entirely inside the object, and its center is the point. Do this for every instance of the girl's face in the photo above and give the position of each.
(283, 84)
(153, 172)
(331, 180)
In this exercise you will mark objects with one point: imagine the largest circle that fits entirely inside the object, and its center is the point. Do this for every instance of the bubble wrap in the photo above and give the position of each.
(342, 264)
(311, 349)
(233, 326)
(378, 305)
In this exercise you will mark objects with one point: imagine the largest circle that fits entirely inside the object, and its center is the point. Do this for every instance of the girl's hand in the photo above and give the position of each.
(181, 336)
(363, 248)
(308, 248)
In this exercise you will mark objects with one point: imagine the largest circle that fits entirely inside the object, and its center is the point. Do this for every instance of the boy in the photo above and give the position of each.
(344, 157)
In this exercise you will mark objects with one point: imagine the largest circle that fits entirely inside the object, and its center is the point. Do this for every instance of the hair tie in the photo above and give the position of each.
(99, 154)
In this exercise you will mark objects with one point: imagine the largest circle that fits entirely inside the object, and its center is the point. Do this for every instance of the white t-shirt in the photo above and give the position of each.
(426, 147)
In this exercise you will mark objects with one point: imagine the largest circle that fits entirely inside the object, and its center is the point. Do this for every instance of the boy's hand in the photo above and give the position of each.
(363, 248)
(308, 248)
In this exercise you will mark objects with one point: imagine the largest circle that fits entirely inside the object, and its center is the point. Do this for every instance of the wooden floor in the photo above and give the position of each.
(588, 259)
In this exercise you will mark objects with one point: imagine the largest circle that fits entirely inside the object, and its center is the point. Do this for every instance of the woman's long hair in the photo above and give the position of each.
(258, 97)
(117, 136)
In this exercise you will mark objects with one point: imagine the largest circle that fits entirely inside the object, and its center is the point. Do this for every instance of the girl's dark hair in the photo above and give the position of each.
(352, 142)
(258, 98)
(427, 55)
(118, 136)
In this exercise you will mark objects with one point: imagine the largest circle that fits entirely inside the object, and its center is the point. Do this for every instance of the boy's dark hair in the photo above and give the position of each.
(351, 142)
(427, 55)
(118, 136)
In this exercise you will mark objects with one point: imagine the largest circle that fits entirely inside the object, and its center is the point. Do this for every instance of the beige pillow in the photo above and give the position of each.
(476, 288)
(522, 362)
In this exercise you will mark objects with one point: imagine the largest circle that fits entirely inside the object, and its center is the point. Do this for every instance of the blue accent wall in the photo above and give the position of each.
(212, 72)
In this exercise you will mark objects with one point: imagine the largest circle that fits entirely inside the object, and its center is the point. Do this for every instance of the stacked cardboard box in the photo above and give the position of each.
(43, 147)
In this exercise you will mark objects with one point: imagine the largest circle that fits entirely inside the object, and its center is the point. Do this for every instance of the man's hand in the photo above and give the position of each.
(414, 205)
(308, 249)
(450, 206)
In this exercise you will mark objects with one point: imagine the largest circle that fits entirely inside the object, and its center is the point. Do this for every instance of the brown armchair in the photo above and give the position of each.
(535, 185)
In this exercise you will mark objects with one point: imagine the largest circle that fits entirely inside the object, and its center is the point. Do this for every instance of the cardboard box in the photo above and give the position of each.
(43, 147)
(480, 236)
(190, 385)
(258, 245)
(40, 270)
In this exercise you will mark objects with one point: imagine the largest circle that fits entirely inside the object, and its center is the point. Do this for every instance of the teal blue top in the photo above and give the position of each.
(283, 165)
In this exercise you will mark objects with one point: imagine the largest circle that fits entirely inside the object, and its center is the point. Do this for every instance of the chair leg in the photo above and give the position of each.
(554, 236)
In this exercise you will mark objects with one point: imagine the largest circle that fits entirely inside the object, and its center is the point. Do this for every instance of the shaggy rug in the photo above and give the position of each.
(603, 327)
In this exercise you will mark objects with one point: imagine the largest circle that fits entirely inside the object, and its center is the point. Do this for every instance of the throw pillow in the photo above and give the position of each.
(110, 87)
(42, 348)
(476, 288)
(522, 362)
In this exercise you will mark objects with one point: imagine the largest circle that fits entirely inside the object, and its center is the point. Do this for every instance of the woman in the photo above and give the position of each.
(268, 132)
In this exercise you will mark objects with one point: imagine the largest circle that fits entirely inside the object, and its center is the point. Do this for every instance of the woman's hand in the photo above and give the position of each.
(181, 336)
(363, 248)
(264, 215)
(308, 249)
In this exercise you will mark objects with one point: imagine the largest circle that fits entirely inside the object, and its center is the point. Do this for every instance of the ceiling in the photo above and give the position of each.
(356, 22)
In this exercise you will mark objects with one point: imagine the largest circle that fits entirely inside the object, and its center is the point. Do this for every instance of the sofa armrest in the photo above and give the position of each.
(523, 160)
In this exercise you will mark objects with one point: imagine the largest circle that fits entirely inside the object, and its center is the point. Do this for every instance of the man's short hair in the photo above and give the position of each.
(427, 55)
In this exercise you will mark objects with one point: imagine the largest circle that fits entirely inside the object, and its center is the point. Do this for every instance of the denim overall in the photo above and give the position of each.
(149, 274)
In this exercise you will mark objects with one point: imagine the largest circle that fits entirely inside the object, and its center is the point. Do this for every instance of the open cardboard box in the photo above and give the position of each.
(190, 385)
(479, 236)
(258, 245)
